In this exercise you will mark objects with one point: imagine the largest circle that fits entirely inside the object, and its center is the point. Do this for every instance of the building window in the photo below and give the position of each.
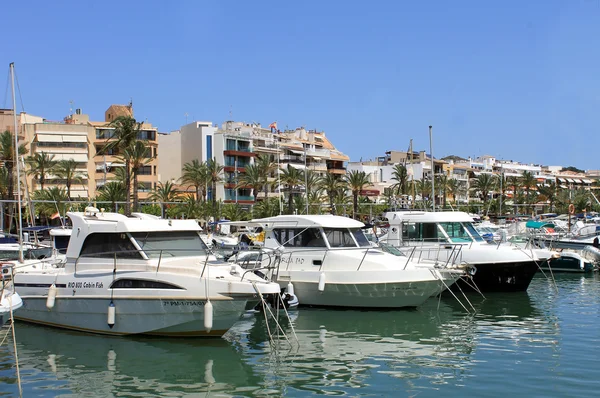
(209, 149)
(145, 171)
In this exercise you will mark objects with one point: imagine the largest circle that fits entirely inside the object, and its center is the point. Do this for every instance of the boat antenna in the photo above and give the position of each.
(16, 160)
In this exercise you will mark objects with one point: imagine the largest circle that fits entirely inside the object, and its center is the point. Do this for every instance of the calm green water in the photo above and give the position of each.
(537, 344)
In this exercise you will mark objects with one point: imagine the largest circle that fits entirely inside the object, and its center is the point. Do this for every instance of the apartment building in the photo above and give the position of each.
(78, 138)
(236, 145)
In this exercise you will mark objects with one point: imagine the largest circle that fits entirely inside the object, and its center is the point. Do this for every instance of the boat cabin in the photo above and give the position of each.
(96, 234)
(311, 231)
(407, 228)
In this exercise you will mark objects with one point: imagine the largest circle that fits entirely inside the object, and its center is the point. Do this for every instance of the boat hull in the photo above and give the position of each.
(568, 264)
(500, 277)
(344, 289)
(161, 317)
(9, 302)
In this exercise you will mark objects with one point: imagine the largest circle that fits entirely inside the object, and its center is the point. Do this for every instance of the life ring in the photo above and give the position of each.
(571, 209)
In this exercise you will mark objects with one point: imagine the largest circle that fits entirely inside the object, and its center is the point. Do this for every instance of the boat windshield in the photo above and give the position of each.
(360, 237)
(460, 232)
(170, 244)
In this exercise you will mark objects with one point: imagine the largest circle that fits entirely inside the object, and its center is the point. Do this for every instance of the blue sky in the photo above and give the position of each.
(516, 79)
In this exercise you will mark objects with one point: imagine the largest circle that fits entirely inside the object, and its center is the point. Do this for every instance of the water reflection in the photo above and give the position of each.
(389, 351)
(91, 365)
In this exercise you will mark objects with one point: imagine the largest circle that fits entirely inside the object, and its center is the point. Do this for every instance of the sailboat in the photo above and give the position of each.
(10, 301)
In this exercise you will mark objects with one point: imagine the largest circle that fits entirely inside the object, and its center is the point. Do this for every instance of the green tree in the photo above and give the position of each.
(40, 164)
(400, 174)
(331, 184)
(455, 188)
(67, 170)
(291, 178)
(215, 175)
(112, 192)
(52, 200)
(266, 167)
(514, 183)
(138, 155)
(252, 178)
(7, 156)
(484, 185)
(356, 181)
(125, 135)
(442, 184)
(195, 173)
(164, 193)
(529, 182)
(548, 192)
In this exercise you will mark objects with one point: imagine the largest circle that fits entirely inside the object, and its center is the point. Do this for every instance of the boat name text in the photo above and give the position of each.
(85, 285)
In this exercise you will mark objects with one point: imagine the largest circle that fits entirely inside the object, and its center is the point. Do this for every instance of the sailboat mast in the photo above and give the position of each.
(16, 160)
(432, 168)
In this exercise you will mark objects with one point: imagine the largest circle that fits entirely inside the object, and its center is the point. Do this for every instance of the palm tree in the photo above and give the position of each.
(549, 193)
(7, 145)
(164, 193)
(515, 183)
(67, 170)
(266, 167)
(51, 200)
(267, 208)
(528, 182)
(112, 192)
(251, 178)
(331, 183)
(7, 157)
(40, 164)
(195, 173)
(214, 171)
(233, 212)
(400, 174)
(356, 180)
(291, 178)
(138, 156)
(442, 183)
(455, 188)
(124, 137)
(483, 185)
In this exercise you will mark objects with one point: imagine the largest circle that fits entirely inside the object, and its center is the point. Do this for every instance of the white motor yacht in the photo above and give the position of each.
(134, 275)
(327, 261)
(499, 267)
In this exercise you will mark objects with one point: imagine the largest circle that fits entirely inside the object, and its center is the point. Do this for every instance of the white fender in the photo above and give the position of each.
(112, 311)
(290, 289)
(52, 290)
(208, 316)
(322, 281)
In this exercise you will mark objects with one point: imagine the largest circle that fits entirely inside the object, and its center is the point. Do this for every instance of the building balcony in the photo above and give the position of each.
(239, 198)
(240, 169)
(249, 154)
(336, 170)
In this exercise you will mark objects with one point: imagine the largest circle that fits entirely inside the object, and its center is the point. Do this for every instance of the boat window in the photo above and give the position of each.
(170, 243)
(339, 237)
(456, 232)
(360, 237)
(107, 245)
(469, 227)
(299, 237)
(141, 284)
(61, 243)
(425, 232)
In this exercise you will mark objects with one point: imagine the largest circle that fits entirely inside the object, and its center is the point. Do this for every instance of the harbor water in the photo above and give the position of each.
(542, 343)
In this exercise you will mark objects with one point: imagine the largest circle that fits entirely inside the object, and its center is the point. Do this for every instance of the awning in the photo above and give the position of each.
(296, 152)
(570, 180)
(562, 179)
(297, 166)
(586, 181)
(78, 157)
(49, 138)
(74, 138)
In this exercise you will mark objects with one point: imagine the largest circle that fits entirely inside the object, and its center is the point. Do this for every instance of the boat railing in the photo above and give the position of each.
(120, 257)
